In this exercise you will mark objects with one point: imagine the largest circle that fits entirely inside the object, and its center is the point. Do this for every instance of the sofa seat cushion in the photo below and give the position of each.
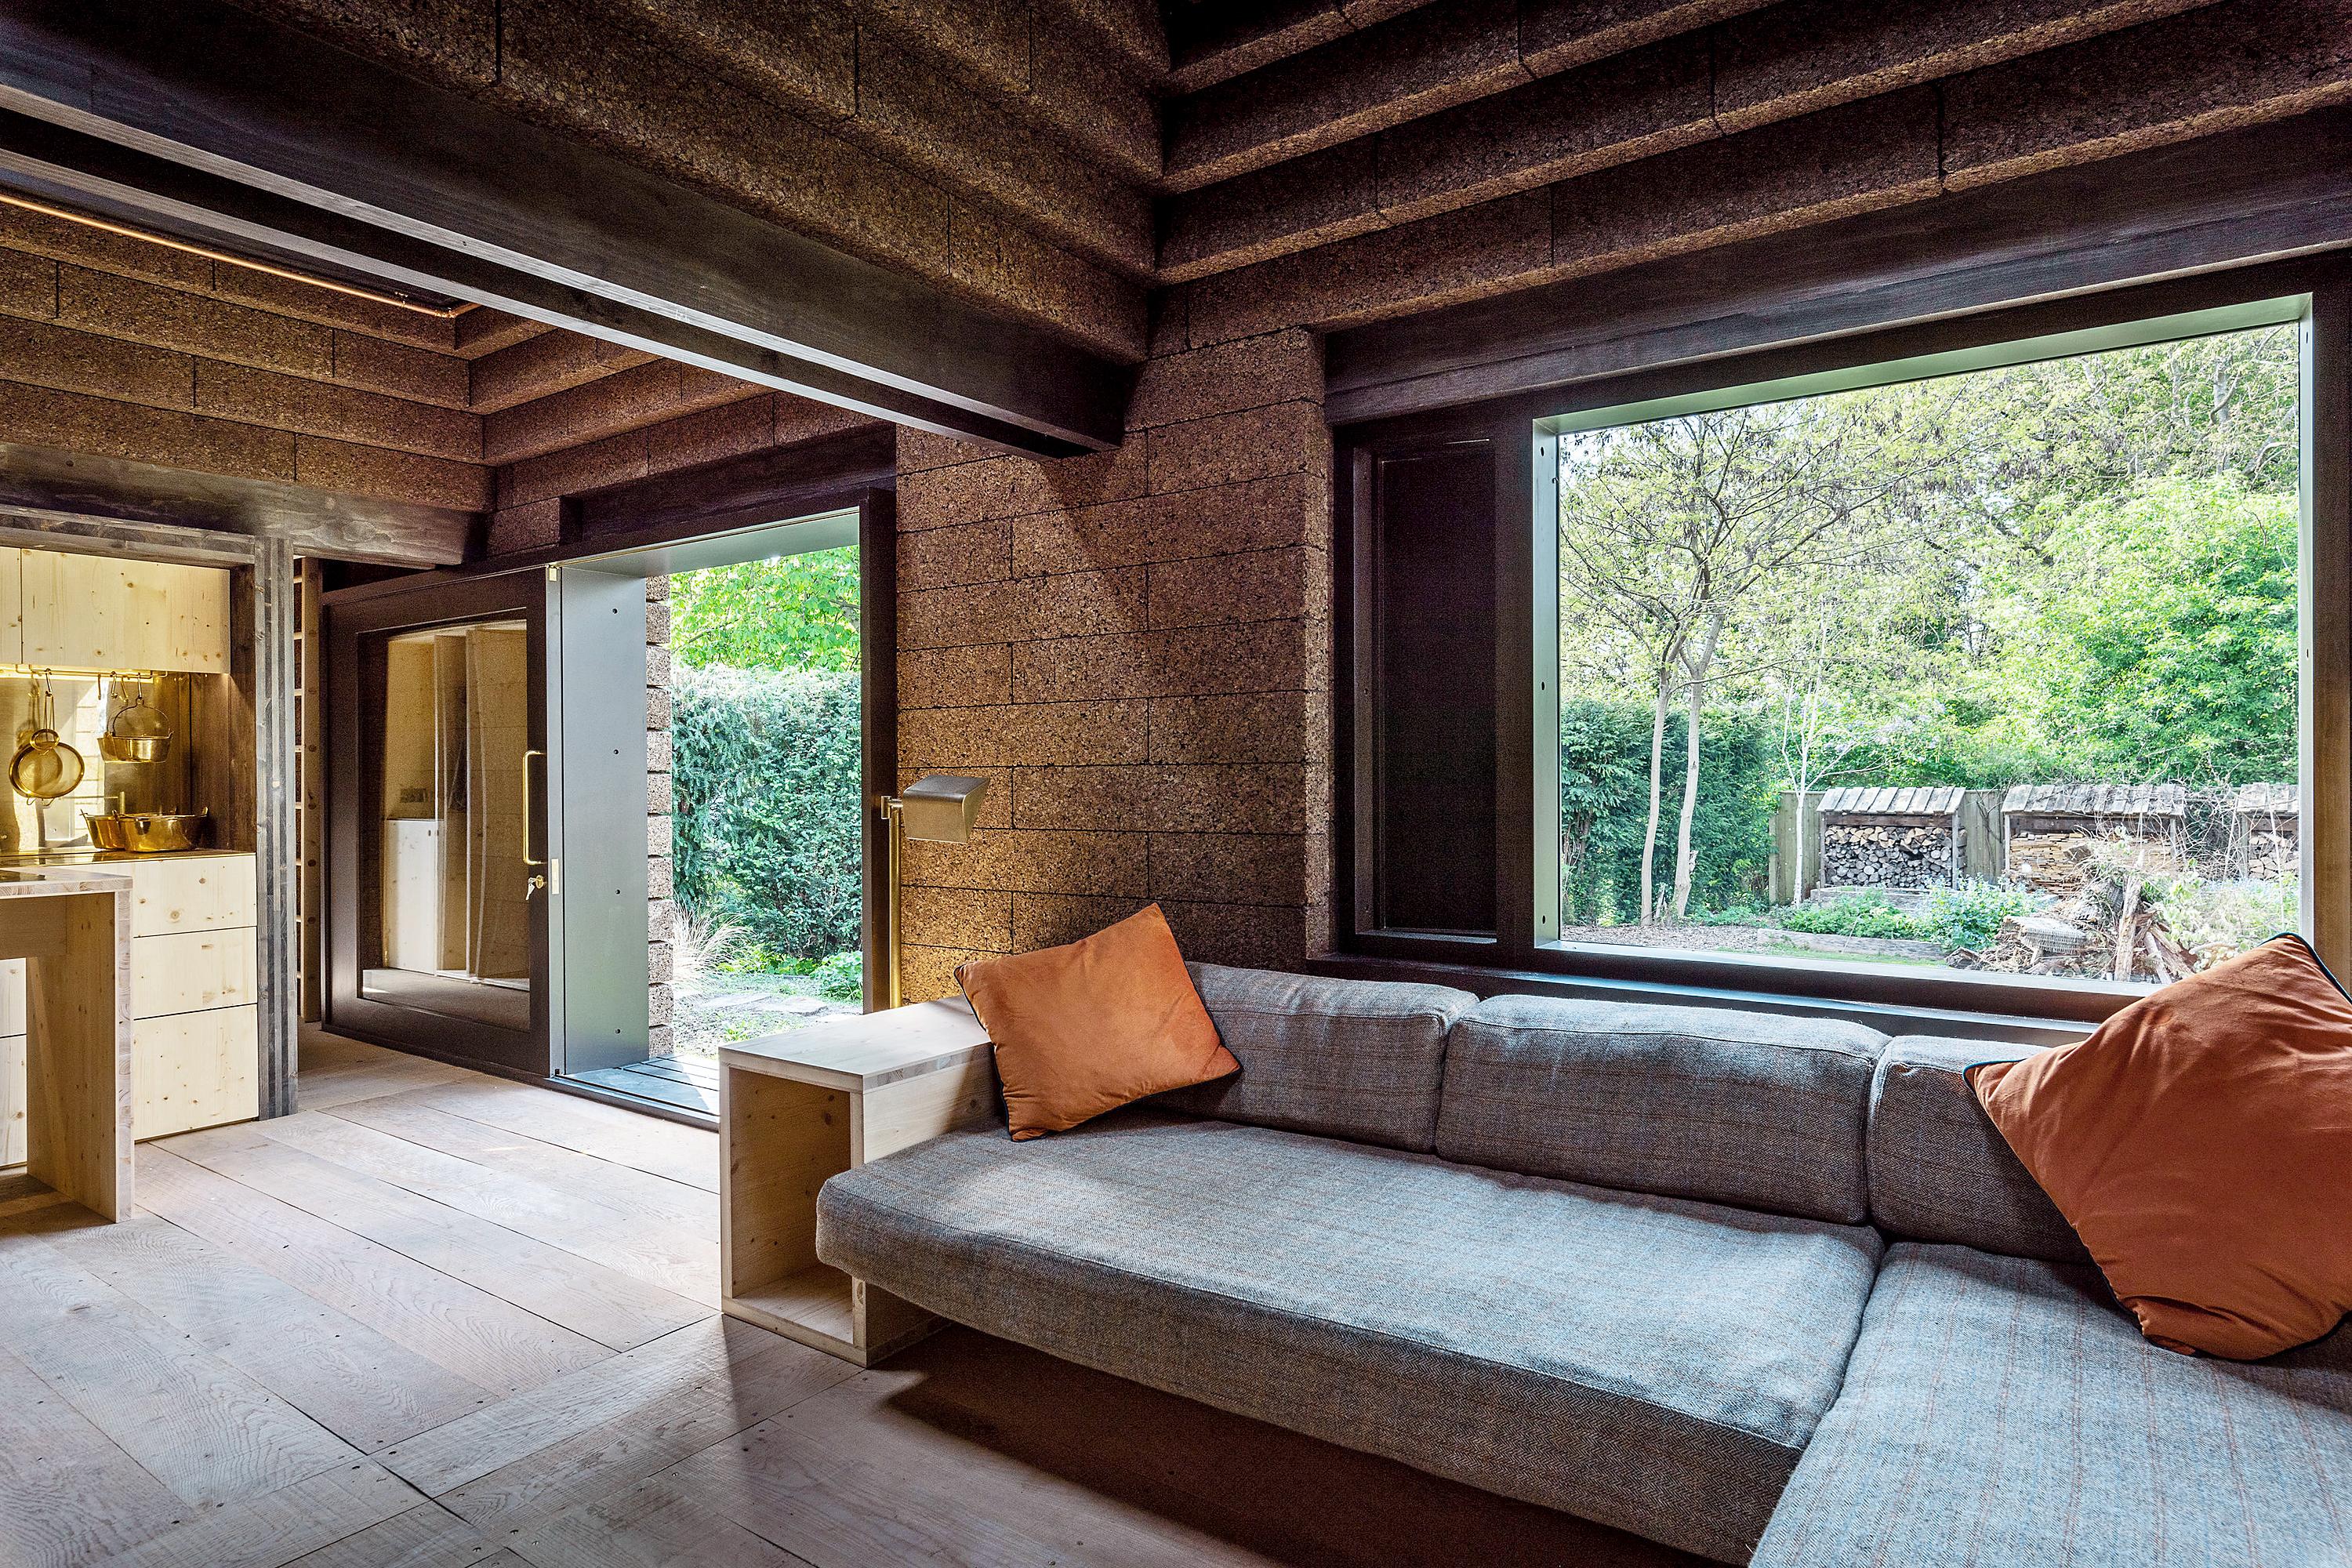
(2003, 1410)
(1650, 1363)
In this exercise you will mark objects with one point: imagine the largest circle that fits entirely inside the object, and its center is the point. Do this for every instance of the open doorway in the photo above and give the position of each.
(767, 803)
(591, 821)
(760, 753)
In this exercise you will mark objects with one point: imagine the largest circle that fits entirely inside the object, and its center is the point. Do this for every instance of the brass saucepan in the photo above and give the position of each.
(139, 733)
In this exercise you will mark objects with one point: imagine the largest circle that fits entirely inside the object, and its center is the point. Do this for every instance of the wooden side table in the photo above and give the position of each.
(798, 1108)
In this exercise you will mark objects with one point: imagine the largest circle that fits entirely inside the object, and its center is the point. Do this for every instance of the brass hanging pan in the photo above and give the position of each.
(45, 767)
(139, 733)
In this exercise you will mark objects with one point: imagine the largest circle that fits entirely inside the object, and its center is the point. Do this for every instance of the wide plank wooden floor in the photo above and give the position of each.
(437, 1317)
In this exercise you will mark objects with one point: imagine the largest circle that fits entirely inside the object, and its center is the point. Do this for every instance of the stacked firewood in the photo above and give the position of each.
(1885, 857)
(2103, 927)
(2272, 856)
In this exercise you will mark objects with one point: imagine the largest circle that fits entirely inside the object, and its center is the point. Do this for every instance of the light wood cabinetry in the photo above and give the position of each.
(796, 1109)
(195, 1045)
(63, 611)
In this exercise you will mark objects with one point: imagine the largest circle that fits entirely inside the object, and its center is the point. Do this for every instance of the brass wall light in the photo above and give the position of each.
(939, 808)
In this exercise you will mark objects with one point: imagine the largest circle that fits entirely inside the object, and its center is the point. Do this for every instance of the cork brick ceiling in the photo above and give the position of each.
(128, 349)
(1323, 162)
(1131, 176)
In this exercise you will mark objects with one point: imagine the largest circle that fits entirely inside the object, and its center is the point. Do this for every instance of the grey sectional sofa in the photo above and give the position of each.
(1761, 1287)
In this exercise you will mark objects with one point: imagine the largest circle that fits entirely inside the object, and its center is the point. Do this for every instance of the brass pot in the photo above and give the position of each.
(150, 832)
(133, 748)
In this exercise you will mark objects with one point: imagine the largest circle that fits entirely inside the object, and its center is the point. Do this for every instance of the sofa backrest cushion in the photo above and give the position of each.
(1758, 1109)
(1939, 1170)
(1360, 1060)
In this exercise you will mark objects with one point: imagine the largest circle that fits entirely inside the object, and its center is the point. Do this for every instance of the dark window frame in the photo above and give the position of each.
(1524, 583)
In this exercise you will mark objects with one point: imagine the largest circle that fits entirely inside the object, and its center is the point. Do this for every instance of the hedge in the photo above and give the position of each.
(768, 808)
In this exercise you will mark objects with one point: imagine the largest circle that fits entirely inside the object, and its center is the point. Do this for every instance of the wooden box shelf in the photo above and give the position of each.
(797, 1108)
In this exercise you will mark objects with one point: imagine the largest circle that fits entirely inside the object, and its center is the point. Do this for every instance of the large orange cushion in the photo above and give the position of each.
(1089, 1027)
(2200, 1144)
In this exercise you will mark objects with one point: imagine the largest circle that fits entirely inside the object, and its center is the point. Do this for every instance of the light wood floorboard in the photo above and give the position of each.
(442, 1318)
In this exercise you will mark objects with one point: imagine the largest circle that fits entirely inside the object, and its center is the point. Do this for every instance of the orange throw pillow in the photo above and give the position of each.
(2200, 1144)
(1089, 1027)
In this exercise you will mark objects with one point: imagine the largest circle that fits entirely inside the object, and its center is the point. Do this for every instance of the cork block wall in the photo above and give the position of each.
(1134, 650)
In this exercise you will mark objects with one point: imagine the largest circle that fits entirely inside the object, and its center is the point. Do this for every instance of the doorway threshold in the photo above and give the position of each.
(683, 1087)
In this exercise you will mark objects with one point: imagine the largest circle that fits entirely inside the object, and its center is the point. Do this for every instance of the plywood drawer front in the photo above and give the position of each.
(195, 1069)
(194, 892)
(189, 972)
(12, 1100)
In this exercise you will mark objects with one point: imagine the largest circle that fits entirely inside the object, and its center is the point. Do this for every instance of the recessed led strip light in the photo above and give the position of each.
(68, 215)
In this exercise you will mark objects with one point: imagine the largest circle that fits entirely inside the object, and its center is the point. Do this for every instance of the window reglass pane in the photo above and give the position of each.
(1994, 671)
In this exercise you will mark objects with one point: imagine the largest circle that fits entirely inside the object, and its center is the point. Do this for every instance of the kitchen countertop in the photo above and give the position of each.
(84, 855)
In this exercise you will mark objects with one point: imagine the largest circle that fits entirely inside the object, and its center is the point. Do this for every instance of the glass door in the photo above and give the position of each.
(441, 873)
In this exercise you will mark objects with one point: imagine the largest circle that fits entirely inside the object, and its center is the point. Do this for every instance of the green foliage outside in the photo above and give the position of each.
(2083, 570)
(1864, 914)
(798, 612)
(765, 773)
(1604, 753)
(1968, 916)
(764, 742)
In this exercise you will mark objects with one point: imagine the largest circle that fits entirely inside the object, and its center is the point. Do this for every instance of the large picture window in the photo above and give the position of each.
(1982, 666)
(1969, 675)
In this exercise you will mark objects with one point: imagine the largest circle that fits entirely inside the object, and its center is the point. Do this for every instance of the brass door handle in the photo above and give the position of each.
(527, 857)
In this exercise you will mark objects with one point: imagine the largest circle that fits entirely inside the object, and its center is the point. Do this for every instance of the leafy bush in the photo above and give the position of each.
(1970, 915)
(841, 976)
(1862, 914)
(768, 807)
(2221, 919)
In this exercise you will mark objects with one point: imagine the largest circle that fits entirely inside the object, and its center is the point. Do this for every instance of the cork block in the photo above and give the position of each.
(1024, 860)
(2211, 69)
(1269, 585)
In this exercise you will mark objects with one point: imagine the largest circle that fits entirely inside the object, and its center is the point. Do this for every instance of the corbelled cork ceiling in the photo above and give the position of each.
(1327, 162)
(1134, 178)
(132, 348)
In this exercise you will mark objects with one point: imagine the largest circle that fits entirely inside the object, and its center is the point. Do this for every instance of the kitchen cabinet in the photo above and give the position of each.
(194, 1045)
(63, 611)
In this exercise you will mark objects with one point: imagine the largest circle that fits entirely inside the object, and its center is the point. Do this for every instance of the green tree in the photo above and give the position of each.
(794, 612)
(2174, 658)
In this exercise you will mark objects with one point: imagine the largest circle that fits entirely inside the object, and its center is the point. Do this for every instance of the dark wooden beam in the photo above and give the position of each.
(728, 495)
(731, 493)
(38, 482)
(433, 190)
(2271, 192)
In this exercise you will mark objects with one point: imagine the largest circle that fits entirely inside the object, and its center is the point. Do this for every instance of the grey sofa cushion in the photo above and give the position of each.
(1351, 1058)
(1939, 1170)
(2002, 1411)
(1652, 1364)
(1754, 1109)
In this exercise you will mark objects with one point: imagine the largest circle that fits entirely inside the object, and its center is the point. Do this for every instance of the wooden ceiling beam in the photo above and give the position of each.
(40, 482)
(2268, 192)
(213, 116)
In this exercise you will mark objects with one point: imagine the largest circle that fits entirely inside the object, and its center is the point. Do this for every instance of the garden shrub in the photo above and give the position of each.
(1970, 915)
(1860, 914)
(768, 808)
(841, 976)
